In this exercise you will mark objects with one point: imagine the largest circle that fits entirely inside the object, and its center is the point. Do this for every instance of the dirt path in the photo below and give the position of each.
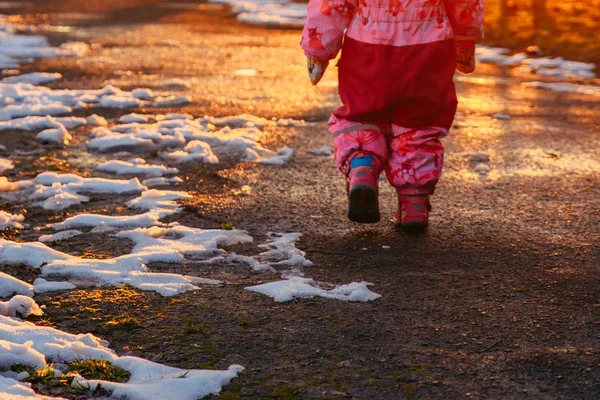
(499, 299)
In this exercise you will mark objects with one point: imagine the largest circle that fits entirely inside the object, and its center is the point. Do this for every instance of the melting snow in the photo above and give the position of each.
(5, 165)
(544, 66)
(135, 166)
(281, 13)
(10, 285)
(20, 306)
(7, 219)
(298, 287)
(563, 87)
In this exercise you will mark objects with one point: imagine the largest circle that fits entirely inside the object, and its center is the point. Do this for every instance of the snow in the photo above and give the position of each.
(152, 381)
(54, 191)
(20, 306)
(41, 285)
(161, 181)
(13, 220)
(35, 78)
(20, 391)
(153, 244)
(194, 140)
(59, 236)
(58, 136)
(158, 199)
(171, 101)
(15, 353)
(281, 250)
(5, 164)
(501, 117)
(298, 287)
(135, 166)
(280, 13)
(324, 150)
(133, 117)
(10, 285)
(24, 343)
(544, 66)
(6, 186)
(96, 120)
(562, 87)
(147, 219)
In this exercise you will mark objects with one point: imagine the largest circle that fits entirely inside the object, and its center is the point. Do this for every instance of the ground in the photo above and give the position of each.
(499, 299)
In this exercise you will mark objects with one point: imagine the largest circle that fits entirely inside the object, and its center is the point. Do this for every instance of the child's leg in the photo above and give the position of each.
(360, 154)
(415, 163)
(419, 122)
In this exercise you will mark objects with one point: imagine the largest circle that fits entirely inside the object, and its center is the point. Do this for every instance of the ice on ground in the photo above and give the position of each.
(324, 150)
(135, 166)
(16, 49)
(54, 344)
(195, 140)
(281, 250)
(58, 236)
(501, 116)
(20, 306)
(543, 66)
(150, 218)
(196, 150)
(19, 390)
(34, 78)
(151, 182)
(154, 244)
(5, 165)
(250, 121)
(280, 13)
(171, 101)
(41, 285)
(135, 118)
(7, 186)
(12, 220)
(96, 120)
(59, 136)
(16, 353)
(152, 381)
(54, 191)
(158, 199)
(10, 285)
(266, 156)
(24, 343)
(563, 87)
(298, 287)
(21, 102)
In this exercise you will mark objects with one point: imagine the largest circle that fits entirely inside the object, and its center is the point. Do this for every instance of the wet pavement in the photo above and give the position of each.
(499, 299)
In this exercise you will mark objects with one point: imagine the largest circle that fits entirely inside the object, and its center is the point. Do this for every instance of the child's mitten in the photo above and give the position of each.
(316, 69)
(465, 55)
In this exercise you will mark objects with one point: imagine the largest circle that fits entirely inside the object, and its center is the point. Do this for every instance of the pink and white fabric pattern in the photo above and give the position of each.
(388, 22)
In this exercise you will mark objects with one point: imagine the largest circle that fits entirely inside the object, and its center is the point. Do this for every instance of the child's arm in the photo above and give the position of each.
(322, 36)
(466, 18)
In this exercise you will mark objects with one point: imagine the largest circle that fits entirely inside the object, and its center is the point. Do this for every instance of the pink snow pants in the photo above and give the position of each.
(398, 102)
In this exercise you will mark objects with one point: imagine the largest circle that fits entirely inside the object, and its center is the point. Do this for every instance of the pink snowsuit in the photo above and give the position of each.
(395, 79)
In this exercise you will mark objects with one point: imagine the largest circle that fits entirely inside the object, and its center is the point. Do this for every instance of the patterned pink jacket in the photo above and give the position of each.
(388, 22)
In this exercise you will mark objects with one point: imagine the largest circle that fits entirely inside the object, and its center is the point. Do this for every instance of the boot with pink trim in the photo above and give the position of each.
(363, 190)
(413, 212)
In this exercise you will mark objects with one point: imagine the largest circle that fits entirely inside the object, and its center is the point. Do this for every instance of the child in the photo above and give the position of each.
(396, 85)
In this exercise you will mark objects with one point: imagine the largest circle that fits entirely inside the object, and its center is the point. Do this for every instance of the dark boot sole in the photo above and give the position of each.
(363, 206)
(412, 226)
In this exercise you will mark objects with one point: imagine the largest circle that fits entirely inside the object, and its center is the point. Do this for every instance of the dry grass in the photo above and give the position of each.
(567, 28)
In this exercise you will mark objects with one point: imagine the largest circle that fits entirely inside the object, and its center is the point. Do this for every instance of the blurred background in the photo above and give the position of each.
(567, 28)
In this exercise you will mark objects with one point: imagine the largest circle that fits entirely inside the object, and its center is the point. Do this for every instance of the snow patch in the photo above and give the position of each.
(298, 287)
(12, 220)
